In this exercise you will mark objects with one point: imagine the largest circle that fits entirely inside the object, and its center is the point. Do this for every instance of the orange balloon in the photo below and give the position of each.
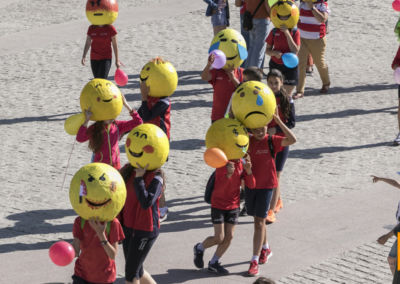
(215, 158)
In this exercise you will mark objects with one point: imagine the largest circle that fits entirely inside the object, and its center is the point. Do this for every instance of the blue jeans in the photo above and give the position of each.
(246, 36)
(258, 35)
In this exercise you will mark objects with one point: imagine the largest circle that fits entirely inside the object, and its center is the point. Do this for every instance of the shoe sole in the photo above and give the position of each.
(216, 272)
(252, 275)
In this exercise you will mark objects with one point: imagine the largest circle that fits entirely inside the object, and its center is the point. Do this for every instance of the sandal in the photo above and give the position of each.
(298, 95)
(324, 89)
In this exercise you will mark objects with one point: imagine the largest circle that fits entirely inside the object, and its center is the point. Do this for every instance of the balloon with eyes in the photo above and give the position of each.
(101, 12)
(147, 145)
(253, 104)
(104, 100)
(97, 190)
(228, 136)
(232, 43)
(285, 13)
(160, 76)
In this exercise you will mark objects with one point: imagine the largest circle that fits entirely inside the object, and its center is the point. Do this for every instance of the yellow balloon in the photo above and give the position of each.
(253, 104)
(103, 98)
(97, 190)
(147, 144)
(230, 136)
(160, 76)
(285, 13)
(232, 43)
(103, 12)
(73, 123)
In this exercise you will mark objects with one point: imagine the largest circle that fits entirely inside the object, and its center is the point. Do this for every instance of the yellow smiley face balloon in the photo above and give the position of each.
(232, 44)
(147, 144)
(103, 98)
(160, 76)
(102, 12)
(230, 136)
(97, 190)
(285, 13)
(253, 104)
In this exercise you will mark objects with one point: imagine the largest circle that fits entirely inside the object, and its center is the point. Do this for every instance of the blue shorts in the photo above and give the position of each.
(257, 201)
(281, 158)
(219, 18)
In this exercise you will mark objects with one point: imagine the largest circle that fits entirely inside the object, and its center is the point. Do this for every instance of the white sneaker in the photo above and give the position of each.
(163, 213)
(397, 140)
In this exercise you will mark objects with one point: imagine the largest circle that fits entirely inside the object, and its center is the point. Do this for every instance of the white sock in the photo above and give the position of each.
(200, 247)
(255, 257)
(214, 259)
(266, 246)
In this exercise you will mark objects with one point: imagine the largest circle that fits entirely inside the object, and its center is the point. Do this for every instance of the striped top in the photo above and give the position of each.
(308, 25)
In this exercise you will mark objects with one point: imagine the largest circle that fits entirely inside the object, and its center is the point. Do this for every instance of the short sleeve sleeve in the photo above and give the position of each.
(296, 37)
(76, 230)
(113, 31)
(213, 73)
(116, 232)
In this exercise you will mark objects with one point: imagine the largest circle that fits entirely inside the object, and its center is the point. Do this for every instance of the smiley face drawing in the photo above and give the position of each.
(101, 12)
(232, 43)
(230, 136)
(160, 76)
(147, 144)
(97, 190)
(253, 104)
(103, 98)
(285, 13)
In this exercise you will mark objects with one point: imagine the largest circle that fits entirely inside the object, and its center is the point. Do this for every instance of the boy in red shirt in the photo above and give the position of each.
(225, 202)
(96, 249)
(262, 151)
(224, 83)
(396, 64)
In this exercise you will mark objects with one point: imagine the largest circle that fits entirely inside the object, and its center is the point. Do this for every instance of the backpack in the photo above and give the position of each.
(209, 188)
(271, 147)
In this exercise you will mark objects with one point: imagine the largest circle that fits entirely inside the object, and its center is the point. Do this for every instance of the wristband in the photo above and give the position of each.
(103, 243)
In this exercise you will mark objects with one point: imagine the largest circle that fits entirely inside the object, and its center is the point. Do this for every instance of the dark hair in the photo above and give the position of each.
(96, 136)
(284, 98)
(264, 280)
(253, 73)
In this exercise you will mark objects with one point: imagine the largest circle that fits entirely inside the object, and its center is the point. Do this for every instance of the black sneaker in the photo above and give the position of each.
(217, 268)
(198, 257)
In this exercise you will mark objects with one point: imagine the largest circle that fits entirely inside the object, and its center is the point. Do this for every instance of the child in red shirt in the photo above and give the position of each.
(262, 150)
(224, 83)
(96, 249)
(396, 64)
(225, 202)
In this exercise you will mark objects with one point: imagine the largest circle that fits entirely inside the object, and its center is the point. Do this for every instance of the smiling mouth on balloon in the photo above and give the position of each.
(95, 205)
(231, 58)
(98, 14)
(136, 155)
(254, 112)
(107, 101)
(144, 79)
(240, 146)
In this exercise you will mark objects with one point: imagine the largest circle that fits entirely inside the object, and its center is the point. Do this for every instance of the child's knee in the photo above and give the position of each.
(219, 238)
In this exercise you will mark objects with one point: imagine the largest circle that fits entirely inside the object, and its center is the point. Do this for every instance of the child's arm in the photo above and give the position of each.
(321, 17)
(290, 138)
(157, 110)
(147, 197)
(85, 49)
(82, 135)
(248, 178)
(231, 74)
(115, 48)
(127, 125)
(269, 51)
(125, 102)
(206, 74)
(383, 239)
(392, 182)
(292, 45)
(76, 244)
(100, 229)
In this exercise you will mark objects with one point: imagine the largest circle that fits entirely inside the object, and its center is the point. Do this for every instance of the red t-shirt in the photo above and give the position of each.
(101, 41)
(279, 42)
(223, 90)
(263, 165)
(93, 263)
(226, 193)
(396, 59)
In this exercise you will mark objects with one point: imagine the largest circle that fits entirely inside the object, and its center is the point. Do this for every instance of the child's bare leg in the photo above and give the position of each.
(224, 245)
(217, 238)
(259, 235)
(274, 198)
(146, 279)
(392, 263)
(289, 89)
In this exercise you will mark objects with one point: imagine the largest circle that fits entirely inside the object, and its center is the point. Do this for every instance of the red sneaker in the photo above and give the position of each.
(264, 256)
(253, 270)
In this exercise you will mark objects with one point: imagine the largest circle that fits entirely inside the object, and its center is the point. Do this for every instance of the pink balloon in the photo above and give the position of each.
(62, 253)
(120, 77)
(396, 5)
(397, 75)
(219, 60)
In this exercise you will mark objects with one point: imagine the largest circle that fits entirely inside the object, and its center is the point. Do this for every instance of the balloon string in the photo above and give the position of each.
(66, 169)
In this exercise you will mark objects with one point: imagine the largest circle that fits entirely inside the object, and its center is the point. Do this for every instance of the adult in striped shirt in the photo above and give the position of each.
(313, 16)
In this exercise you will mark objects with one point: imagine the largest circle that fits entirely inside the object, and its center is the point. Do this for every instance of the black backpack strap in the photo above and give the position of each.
(258, 7)
(271, 146)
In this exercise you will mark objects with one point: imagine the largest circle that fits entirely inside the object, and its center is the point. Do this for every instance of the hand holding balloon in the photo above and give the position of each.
(290, 60)
(247, 165)
(97, 226)
(219, 59)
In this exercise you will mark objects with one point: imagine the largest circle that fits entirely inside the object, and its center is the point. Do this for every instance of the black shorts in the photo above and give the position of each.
(281, 158)
(257, 201)
(135, 249)
(219, 216)
(100, 68)
(290, 75)
(79, 280)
